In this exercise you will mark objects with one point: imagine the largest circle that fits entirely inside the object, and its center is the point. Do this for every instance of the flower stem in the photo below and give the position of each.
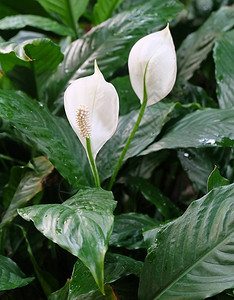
(92, 163)
(119, 163)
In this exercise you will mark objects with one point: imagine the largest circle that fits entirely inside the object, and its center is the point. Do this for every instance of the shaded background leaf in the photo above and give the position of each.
(52, 135)
(208, 128)
(11, 275)
(20, 21)
(224, 57)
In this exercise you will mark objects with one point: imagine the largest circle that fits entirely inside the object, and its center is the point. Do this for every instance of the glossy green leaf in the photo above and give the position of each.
(20, 21)
(103, 9)
(110, 43)
(215, 180)
(11, 275)
(68, 11)
(28, 186)
(196, 251)
(41, 56)
(207, 128)
(62, 293)
(116, 266)
(151, 193)
(52, 135)
(224, 71)
(198, 45)
(43, 53)
(152, 122)
(82, 225)
(127, 230)
(127, 98)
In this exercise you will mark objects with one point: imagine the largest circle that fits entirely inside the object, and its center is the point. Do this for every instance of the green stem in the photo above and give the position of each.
(119, 163)
(92, 163)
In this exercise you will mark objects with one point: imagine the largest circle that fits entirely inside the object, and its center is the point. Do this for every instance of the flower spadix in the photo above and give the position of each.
(92, 108)
(153, 60)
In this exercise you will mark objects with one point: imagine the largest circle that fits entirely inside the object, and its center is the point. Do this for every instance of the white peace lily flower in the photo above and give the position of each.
(92, 108)
(154, 57)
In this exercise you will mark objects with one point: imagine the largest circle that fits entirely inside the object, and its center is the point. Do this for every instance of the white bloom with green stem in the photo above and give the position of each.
(92, 108)
(153, 60)
(152, 70)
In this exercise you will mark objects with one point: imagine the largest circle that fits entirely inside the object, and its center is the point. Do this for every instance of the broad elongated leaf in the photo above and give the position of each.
(110, 43)
(82, 225)
(11, 275)
(154, 118)
(198, 45)
(215, 179)
(196, 251)
(208, 128)
(103, 9)
(52, 135)
(41, 55)
(20, 21)
(43, 52)
(127, 230)
(116, 266)
(68, 11)
(29, 185)
(153, 194)
(224, 57)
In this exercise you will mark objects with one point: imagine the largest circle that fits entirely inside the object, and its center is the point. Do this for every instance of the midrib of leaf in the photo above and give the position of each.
(72, 18)
(201, 258)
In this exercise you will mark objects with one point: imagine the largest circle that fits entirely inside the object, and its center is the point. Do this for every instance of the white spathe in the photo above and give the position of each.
(102, 103)
(154, 57)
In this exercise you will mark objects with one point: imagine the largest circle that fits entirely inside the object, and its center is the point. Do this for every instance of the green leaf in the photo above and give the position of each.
(103, 9)
(207, 128)
(196, 251)
(43, 52)
(116, 266)
(198, 45)
(152, 122)
(215, 180)
(68, 11)
(224, 71)
(82, 225)
(28, 186)
(127, 98)
(127, 230)
(52, 135)
(11, 275)
(41, 55)
(151, 193)
(20, 21)
(62, 293)
(110, 43)
(198, 164)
